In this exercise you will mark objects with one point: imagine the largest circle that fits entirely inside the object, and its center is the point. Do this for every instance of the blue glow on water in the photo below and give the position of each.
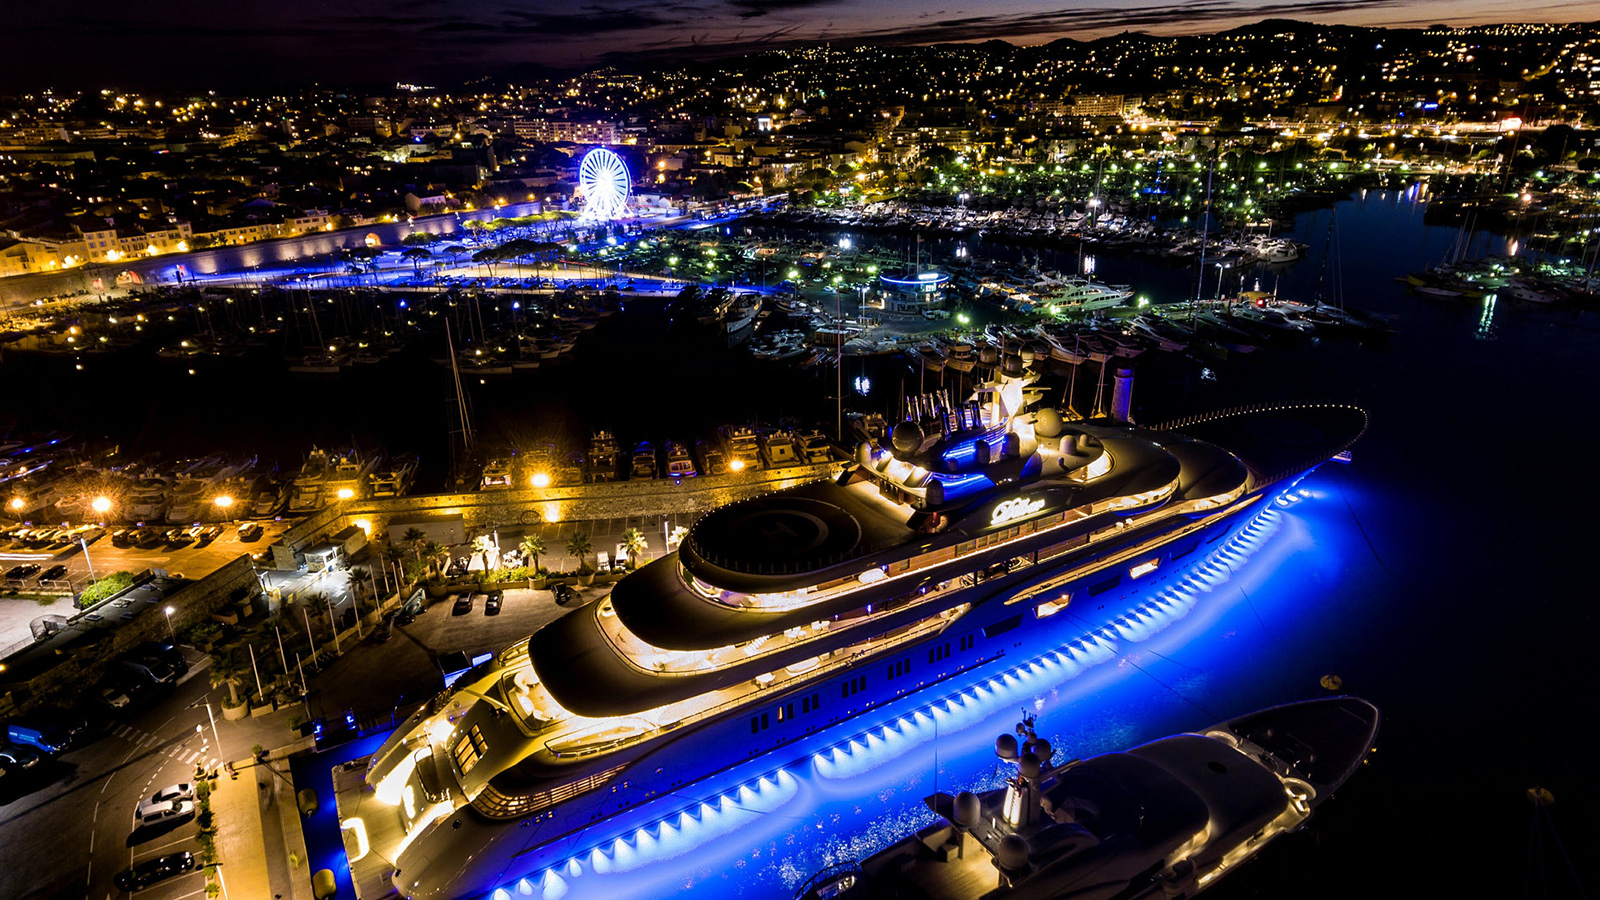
(1181, 654)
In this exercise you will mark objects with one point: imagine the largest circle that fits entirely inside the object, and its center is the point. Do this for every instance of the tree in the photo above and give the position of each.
(532, 548)
(633, 541)
(434, 552)
(578, 545)
(416, 255)
(419, 239)
(483, 545)
(414, 538)
(228, 669)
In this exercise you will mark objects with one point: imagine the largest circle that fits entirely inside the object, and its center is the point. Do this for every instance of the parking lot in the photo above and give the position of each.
(188, 560)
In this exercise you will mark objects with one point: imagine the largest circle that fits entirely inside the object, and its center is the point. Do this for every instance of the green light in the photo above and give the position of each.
(962, 318)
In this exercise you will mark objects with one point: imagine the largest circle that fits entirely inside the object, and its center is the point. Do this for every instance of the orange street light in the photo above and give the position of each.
(223, 502)
(736, 466)
(346, 493)
(101, 504)
(541, 480)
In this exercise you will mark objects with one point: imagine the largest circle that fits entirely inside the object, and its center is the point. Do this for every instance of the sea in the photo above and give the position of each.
(1443, 574)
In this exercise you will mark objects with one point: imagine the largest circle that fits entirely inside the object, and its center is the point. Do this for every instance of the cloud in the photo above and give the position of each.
(752, 9)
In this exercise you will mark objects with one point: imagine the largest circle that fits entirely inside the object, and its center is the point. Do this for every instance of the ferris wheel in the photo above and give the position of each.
(605, 184)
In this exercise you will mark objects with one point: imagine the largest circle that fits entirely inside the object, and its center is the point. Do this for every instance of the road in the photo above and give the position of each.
(70, 831)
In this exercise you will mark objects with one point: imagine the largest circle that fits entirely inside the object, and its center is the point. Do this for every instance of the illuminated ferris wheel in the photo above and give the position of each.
(604, 183)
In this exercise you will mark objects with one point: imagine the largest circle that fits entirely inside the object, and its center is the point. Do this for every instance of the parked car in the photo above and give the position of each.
(153, 871)
(48, 728)
(26, 570)
(167, 653)
(113, 694)
(563, 594)
(53, 573)
(158, 813)
(249, 531)
(183, 791)
(463, 605)
(147, 670)
(491, 605)
(122, 537)
(19, 756)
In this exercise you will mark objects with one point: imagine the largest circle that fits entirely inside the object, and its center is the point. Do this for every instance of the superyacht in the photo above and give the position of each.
(939, 554)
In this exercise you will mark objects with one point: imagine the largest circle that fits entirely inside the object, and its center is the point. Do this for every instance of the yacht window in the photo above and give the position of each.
(470, 749)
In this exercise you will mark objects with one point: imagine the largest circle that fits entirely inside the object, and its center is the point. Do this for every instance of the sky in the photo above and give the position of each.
(206, 43)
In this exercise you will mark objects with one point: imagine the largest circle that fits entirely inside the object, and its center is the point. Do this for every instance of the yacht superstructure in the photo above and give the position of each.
(938, 551)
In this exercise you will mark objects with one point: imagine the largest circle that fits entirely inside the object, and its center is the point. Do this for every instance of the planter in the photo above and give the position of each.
(538, 584)
(235, 713)
(586, 579)
(266, 709)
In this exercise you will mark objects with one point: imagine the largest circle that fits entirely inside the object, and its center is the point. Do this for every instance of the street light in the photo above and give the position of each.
(170, 630)
(18, 503)
(223, 502)
(101, 505)
(541, 480)
(346, 493)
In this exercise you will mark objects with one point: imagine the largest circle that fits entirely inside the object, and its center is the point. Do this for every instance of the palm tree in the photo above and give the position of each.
(414, 538)
(578, 545)
(532, 548)
(633, 541)
(435, 553)
(483, 545)
(228, 669)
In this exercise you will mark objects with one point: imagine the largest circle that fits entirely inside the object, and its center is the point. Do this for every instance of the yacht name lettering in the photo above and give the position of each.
(1015, 508)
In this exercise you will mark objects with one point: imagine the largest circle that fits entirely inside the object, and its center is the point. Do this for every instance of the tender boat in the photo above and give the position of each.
(1165, 819)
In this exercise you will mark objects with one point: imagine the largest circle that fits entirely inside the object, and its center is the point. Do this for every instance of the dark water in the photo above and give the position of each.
(1444, 575)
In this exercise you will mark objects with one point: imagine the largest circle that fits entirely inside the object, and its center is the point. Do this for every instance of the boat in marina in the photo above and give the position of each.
(679, 463)
(569, 470)
(744, 310)
(778, 449)
(1165, 819)
(644, 461)
(742, 446)
(496, 475)
(269, 497)
(147, 499)
(395, 479)
(814, 447)
(350, 475)
(712, 460)
(306, 493)
(938, 555)
(602, 457)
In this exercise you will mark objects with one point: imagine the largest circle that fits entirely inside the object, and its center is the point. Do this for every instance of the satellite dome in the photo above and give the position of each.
(1005, 746)
(1013, 852)
(1029, 765)
(1047, 423)
(967, 810)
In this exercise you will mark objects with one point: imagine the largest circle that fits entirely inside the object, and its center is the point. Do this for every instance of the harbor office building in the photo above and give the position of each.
(910, 293)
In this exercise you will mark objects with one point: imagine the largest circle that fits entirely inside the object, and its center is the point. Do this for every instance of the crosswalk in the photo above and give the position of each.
(141, 739)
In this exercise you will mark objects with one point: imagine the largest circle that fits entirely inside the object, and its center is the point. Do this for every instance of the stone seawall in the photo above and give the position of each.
(534, 506)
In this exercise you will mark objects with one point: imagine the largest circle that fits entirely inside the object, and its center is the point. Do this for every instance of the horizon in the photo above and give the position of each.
(452, 48)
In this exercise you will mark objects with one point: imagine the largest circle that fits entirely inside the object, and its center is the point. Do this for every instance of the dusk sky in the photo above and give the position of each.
(203, 43)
